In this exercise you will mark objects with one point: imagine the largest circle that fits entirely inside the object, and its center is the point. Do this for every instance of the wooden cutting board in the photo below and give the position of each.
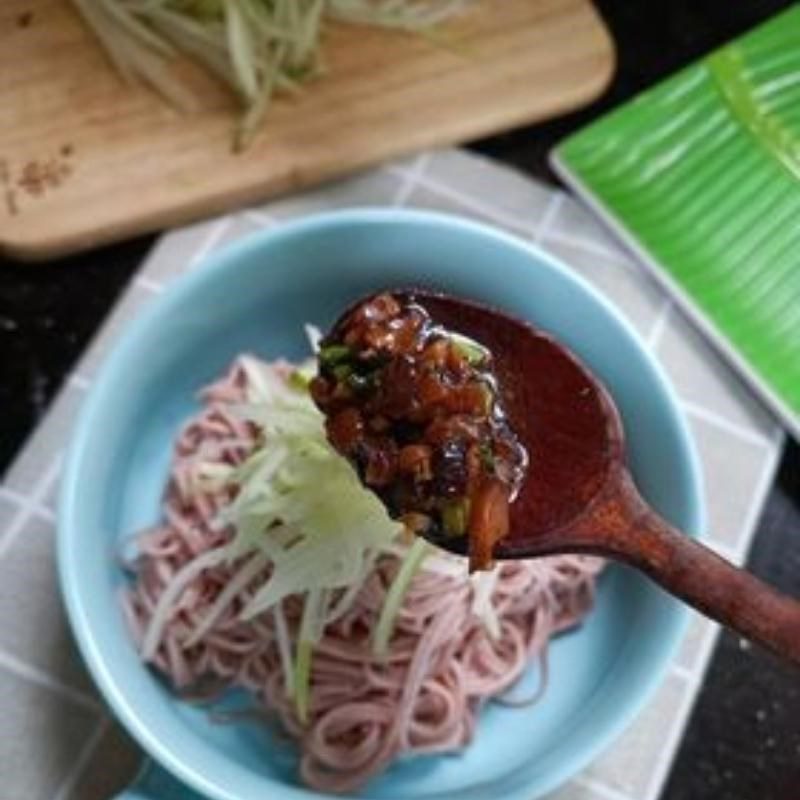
(86, 159)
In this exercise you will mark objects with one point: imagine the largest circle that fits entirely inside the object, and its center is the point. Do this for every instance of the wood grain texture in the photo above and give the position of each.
(86, 159)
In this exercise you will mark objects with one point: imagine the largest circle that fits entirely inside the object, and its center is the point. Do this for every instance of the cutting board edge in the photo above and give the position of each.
(38, 249)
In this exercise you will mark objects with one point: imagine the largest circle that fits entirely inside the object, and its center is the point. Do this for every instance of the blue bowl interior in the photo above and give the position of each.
(255, 297)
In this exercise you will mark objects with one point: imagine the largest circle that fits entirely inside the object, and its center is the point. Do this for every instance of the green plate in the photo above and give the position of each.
(701, 176)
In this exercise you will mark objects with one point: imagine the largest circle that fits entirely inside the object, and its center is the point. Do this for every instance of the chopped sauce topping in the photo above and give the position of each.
(417, 410)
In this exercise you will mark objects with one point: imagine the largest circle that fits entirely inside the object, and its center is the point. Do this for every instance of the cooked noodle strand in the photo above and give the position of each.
(455, 641)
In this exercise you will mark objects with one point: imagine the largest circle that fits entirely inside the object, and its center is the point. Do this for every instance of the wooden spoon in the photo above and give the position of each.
(578, 495)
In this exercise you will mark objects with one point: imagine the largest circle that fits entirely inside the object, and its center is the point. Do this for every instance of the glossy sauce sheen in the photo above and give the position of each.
(416, 408)
(556, 408)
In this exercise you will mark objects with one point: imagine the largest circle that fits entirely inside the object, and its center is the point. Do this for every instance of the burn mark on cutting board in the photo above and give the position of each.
(35, 177)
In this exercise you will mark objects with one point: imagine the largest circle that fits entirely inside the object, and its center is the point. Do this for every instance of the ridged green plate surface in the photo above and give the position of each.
(701, 175)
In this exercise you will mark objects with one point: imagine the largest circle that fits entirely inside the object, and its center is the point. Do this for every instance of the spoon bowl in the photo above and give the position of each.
(561, 413)
(578, 495)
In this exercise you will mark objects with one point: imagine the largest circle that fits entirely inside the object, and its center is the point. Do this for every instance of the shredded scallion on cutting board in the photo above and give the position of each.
(256, 47)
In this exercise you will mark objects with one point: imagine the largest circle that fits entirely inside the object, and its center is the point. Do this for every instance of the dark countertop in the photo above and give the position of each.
(743, 739)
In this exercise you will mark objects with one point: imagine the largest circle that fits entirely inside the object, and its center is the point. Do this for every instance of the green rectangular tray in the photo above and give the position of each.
(700, 175)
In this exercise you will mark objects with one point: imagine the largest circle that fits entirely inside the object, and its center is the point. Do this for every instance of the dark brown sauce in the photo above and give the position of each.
(418, 410)
(555, 407)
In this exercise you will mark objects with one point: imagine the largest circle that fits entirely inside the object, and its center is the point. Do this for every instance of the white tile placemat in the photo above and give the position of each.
(57, 741)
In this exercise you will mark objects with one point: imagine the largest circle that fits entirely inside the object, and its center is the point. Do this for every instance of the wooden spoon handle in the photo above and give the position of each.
(714, 586)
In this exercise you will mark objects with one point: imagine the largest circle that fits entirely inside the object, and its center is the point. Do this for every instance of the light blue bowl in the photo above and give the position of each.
(255, 296)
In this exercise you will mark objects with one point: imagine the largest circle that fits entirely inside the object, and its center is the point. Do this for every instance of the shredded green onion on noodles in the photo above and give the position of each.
(302, 527)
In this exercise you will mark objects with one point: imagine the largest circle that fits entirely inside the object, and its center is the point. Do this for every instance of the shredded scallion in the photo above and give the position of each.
(302, 526)
(256, 47)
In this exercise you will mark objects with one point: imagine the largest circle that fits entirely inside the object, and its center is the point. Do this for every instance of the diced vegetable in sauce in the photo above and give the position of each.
(417, 410)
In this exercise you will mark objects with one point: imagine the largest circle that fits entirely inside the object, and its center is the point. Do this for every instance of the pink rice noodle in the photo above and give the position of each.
(364, 711)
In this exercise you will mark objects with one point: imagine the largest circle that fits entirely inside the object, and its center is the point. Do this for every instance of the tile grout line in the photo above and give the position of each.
(660, 324)
(218, 228)
(667, 755)
(261, 218)
(148, 284)
(20, 501)
(599, 788)
(778, 436)
(410, 179)
(685, 674)
(78, 381)
(625, 258)
(748, 530)
(717, 420)
(706, 651)
(553, 236)
(400, 171)
(45, 514)
(34, 675)
(694, 679)
(207, 245)
(631, 259)
(541, 229)
(590, 246)
(82, 761)
(472, 204)
(25, 512)
(14, 498)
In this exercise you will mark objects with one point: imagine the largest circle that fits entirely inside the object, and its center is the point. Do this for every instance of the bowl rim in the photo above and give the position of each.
(182, 289)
